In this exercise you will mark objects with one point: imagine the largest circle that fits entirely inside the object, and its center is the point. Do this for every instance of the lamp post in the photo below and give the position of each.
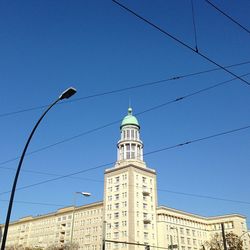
(86, 194)
(66, 94)
(177, 233)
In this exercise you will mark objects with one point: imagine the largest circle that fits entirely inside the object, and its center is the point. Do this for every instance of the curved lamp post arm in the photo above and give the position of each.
(66, 94)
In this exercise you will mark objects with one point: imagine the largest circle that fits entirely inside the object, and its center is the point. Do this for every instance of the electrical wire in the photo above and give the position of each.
(149, 153)
(35, 203)
(195, 32)
(118, 121)
(180, 42)
(226, 15)
(141, 85)
(135, 243)
(201, 196)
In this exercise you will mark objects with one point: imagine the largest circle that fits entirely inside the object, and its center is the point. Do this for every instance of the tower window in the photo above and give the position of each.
(133, 151)
(127, 151)
(128, 134)
(132, 134)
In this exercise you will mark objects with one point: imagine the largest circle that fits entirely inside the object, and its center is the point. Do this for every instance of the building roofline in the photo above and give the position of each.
(208, 218)
(58, 211)
(98, 203)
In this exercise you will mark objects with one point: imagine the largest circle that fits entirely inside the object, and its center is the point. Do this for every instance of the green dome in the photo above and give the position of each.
(129, 119)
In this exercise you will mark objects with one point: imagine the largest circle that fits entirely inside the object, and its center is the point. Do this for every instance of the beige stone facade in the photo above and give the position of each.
(190, 231)
(129, 212)
(56, 228)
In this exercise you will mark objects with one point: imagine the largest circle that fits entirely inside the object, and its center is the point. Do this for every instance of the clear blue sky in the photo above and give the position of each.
(96, 46)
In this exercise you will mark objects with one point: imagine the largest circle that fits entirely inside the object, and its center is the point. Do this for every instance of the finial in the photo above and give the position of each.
(129, 111)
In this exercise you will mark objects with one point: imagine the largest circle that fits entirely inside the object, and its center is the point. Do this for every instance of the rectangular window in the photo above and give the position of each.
(128, 134)
(132, 134)
(116, 215)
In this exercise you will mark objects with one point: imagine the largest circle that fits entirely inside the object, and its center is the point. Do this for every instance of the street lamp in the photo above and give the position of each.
(86, 194)
(65, 95)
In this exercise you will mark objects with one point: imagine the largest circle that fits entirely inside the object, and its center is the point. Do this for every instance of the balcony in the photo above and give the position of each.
(146, 221)
(145, 193)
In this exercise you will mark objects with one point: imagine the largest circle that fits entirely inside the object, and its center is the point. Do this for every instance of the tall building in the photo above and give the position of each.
(130, 197)
(129, 216)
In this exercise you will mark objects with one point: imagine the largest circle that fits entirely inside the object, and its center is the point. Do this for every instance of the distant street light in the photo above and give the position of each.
(86, 194)
(65, 95)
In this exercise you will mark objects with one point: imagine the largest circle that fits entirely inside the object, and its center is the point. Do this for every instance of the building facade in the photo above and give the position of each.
(129, 216)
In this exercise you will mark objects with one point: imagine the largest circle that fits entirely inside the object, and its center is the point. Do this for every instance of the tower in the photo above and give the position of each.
(130, 197)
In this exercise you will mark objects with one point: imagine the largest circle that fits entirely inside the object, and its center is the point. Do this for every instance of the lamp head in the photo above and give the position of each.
(84, 193)
(67, 93)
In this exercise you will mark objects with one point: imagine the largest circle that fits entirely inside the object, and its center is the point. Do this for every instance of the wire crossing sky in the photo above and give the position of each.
(113, 59)
(123, 89)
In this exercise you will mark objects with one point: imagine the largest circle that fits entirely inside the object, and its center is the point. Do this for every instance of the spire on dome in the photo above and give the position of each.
(129, 119)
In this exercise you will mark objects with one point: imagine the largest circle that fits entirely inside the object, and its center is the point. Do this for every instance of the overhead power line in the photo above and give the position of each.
(149, 153)
(229, 17)
(175, 100)
(203, 196)
(195, 32)
(35, 203)
(141, 85)
(135, 244)
(200, 196)
(180, 42)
